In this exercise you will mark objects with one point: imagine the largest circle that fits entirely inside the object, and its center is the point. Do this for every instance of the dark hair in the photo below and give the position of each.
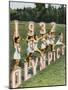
(29, 37)
(35, 37)
(59, 33)
(16, 38)
(27, 58)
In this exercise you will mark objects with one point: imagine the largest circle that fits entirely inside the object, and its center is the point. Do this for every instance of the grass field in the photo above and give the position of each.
(23, 28)
(54, 74)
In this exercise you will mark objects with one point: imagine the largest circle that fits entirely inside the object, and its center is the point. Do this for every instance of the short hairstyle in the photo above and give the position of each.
(16, 38)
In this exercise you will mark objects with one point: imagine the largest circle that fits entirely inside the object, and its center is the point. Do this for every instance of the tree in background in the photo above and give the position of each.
(40, 13)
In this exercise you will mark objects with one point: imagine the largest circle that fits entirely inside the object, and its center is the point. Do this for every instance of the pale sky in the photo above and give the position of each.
(15, 5)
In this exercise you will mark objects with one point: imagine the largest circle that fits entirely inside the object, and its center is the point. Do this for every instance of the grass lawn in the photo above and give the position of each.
(54, 74)
(23, 29)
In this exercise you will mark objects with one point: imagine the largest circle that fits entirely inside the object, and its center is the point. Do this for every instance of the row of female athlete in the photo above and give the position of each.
(47, 39)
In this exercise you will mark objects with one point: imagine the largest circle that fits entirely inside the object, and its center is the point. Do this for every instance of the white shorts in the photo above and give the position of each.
(17, 56)
(30, 50)
(43, 46)
(59, 43)
(48, 42)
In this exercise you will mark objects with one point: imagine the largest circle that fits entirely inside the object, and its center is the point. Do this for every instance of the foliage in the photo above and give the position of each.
(40, 13)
